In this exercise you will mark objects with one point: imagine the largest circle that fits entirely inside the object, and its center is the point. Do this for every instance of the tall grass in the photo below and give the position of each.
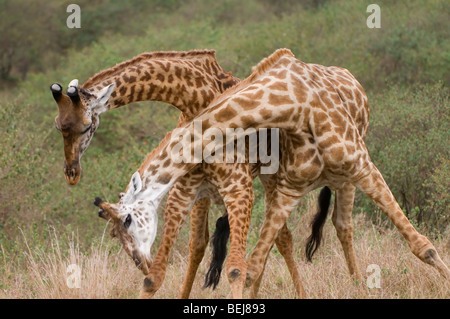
(107, 272)
(52, 273)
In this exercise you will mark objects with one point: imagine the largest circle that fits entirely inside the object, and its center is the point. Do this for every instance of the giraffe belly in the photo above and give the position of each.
(331, 180)
(208, 190)
(302, 170)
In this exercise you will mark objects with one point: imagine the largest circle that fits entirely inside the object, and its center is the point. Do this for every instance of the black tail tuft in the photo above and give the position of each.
(313, 241)
(219, 243)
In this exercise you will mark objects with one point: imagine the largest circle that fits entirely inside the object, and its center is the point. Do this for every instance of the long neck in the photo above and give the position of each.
(245, 106)
(189, 84)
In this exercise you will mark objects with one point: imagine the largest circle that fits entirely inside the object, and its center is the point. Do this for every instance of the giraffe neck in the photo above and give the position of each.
(189, 83)
(160, 171)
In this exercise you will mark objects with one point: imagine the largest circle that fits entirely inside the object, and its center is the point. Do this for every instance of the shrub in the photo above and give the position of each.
(408, 136)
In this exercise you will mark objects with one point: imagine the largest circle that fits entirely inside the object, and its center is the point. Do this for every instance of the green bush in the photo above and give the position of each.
(437, 187)
(409, 134)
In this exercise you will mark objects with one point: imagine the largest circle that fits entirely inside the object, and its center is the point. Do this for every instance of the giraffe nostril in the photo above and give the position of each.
(127, 222)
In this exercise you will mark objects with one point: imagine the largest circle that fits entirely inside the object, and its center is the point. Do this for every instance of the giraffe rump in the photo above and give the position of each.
(219, 242)
(313, 241)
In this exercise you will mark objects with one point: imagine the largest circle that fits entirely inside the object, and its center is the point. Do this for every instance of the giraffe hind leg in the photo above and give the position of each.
(285, 247)
(374, 186)
(284, 244)
(343, 223)
(279, 209)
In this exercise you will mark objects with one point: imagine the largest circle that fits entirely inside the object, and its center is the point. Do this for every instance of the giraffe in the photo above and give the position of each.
(325, 149)
(188, 80)
(193, 79)
(283, 243)
(357, 107)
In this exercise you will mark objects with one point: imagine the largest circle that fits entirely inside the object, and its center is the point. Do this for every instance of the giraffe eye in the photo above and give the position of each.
(87, 129)
(127, 222)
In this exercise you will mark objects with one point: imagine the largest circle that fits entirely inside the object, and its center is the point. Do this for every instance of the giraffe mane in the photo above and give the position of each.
(142, 57)
(268, 62)
(154, 152)
(150, 156)
(257, 71)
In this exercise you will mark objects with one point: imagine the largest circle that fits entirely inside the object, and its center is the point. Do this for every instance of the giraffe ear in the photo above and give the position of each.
(136, 183)
(105, 93)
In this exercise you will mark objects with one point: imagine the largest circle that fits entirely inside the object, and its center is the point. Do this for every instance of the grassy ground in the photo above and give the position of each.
(107, 272)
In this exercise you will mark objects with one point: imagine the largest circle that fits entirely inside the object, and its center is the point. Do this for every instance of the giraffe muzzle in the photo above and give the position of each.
(72, 173)
(142, 263)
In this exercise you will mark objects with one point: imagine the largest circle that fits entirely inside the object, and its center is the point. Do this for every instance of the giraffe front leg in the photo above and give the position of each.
(178, 203)
(280, 207)
(373, 185)
(283, 241)
(239, 206)
(173, 219)
(285, 247)
(254, 289)
(343, 223)
(197, 243)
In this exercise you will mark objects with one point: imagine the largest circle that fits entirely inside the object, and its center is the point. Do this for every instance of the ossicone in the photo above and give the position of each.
(98, 201)
(56, 91)
(72, 92)
(101, 213)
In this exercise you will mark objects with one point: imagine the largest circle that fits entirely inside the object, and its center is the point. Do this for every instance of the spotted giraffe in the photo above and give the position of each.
(188, 80)
(325, 149)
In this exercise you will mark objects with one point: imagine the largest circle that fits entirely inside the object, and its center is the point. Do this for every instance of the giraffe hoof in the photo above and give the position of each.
(432, 258)
(148, 284)
(147, 290)
(248, 280)
(234, 274)
(429, 256)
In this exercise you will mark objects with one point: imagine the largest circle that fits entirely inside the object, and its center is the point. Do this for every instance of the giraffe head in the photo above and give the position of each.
(77, 120)
(134, 222)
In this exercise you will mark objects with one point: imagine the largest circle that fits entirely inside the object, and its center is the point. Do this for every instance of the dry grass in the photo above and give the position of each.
(109, 274)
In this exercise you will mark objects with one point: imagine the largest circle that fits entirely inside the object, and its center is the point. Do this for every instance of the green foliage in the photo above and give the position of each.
(437, 187)
(411, 45)
(35, 34)
(414, 49)
(408, 140)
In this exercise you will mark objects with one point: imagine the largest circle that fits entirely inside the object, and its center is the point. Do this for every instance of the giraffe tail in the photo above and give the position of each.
(219, 243)
(313, 241)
